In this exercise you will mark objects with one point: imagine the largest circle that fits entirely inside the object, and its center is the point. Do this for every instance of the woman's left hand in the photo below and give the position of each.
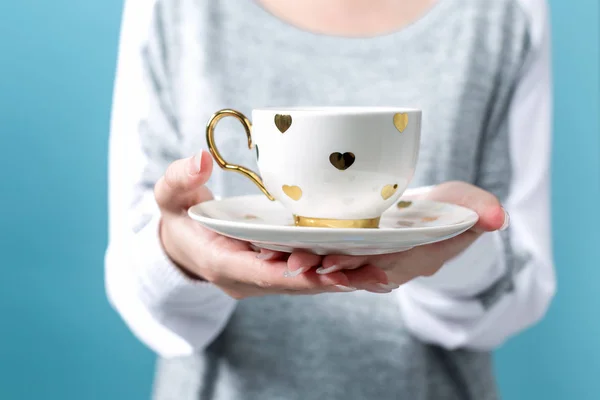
(423, 260)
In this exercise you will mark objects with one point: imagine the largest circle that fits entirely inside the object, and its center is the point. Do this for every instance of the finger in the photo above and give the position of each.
(269, 255)
(333, 282)
(492, 215)
(242, 291)
(300, 262)
(269, 276)
(371, 279)
(338, 262)
(420, 261)
(324, 289)
(181, 185)
(423, 260)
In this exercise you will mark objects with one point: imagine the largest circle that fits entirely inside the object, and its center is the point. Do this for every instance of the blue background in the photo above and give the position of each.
(58, 337)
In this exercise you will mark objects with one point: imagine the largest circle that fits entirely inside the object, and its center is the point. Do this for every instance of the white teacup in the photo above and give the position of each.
(336, 167)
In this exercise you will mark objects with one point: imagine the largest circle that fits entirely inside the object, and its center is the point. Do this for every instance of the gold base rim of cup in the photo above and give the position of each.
(369, 223)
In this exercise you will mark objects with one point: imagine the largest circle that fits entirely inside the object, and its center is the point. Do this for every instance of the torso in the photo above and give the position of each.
(458, 66)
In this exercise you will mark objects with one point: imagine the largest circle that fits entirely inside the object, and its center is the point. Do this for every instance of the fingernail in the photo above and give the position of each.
(264, 256)
(388, 286)
(196, 164)
(255, 247)
(345, 288)
(506, 220)
(376, 288)
(292, 274)
(323, 271)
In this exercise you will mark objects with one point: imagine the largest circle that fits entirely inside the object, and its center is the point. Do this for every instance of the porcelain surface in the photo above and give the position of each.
(270, 225)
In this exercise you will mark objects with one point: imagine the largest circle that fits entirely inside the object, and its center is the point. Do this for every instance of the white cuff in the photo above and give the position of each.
(169, 312)
(445, 308)
(471, 272)
(162, 283)
(164, 288)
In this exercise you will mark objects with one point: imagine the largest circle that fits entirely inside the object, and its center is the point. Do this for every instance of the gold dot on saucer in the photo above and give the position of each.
(404, 204)
(250, 217)
(388, 191)
(405, 223)
(429, 219)
(283, 122)
(293, 192)
(401, 121)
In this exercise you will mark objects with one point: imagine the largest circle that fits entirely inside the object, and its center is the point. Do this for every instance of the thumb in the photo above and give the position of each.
(492, 216)
(182, 185)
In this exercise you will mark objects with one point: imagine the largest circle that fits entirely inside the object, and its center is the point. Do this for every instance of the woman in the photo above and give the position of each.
(416, 325)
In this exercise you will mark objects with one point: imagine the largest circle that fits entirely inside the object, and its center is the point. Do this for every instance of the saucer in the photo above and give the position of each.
(266, 224)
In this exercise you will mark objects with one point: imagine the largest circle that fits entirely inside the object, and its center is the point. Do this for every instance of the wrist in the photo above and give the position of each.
(471, 272)
(173, 252)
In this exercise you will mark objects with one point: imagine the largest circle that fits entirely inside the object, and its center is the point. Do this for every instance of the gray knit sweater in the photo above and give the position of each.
(477, 69)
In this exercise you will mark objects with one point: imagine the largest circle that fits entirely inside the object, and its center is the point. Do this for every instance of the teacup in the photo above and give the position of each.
(338, 167)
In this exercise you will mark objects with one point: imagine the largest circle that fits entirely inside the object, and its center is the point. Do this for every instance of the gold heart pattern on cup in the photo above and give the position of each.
(401, 121)
(293, 192)
(283, 122)
(342, 161)
(388, 191)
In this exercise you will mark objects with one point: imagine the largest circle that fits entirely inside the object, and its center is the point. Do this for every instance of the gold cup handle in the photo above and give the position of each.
(212, 147)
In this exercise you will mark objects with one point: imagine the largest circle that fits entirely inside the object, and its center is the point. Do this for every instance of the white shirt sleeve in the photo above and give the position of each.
(448, 309)
(170, 313)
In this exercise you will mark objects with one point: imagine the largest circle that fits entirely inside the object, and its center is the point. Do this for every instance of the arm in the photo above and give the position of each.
(505, 281)
(170, 313)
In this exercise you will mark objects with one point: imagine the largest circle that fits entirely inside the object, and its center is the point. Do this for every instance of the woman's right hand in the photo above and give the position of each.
(230, 264)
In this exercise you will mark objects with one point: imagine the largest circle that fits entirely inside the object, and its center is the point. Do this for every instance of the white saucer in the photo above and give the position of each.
(267, 224)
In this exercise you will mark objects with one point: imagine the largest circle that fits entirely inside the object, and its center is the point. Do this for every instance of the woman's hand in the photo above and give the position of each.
(423, 260)
(230, 264)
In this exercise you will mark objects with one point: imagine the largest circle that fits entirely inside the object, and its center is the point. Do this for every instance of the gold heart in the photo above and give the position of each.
(293, 192)
(388, 191)
(401, 121)
(342, 161)
(283, 122)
